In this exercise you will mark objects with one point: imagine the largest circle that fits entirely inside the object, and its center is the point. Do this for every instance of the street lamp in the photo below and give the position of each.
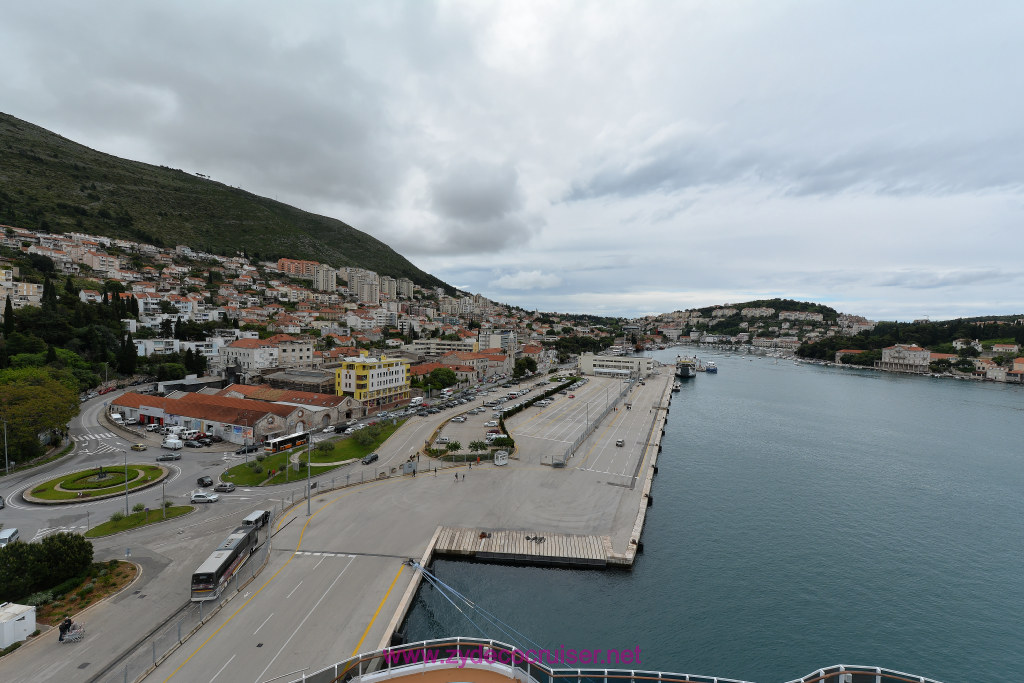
(7, 464)
(125, 483)
(309, 456)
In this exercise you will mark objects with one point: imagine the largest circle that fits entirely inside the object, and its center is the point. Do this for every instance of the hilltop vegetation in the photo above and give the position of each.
(52, 184)
(937, 336)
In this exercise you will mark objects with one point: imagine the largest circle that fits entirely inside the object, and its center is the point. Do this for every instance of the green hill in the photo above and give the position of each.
(50, 183)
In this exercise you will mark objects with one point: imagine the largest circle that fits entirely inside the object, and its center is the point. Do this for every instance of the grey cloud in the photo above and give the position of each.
(477, 192)
(933, 279)
(885, 167)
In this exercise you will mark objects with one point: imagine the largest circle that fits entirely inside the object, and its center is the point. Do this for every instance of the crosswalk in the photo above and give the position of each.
(85, 438)
(43, 533)
(98, 444)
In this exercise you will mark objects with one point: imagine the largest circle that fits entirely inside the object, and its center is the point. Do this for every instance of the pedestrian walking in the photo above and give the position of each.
(456, 476)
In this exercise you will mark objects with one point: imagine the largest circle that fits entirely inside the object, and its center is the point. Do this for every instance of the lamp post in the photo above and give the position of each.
(309, 456)
(125, 483)
(7, 464)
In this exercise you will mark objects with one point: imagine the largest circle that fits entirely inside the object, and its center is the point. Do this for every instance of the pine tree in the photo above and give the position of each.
(8, 318)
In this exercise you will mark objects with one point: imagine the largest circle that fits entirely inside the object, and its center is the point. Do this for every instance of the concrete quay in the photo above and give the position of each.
(338, 581)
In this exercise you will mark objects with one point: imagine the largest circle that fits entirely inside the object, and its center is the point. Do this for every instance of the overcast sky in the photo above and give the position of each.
(619, 158)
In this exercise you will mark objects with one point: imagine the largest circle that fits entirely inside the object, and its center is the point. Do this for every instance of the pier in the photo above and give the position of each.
(351, 555)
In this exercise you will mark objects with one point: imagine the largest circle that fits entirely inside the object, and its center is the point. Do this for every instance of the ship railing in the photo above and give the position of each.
(855, 673)
(528, 666)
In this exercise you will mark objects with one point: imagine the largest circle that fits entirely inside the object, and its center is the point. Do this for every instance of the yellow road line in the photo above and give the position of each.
(379, 608)
(267, 582)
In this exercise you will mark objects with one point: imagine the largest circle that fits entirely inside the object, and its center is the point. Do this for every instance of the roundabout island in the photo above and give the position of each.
(95, 483)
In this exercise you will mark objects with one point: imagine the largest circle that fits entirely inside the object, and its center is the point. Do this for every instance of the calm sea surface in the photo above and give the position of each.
(803, 516)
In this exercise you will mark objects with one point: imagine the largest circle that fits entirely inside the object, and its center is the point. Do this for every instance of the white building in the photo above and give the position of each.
(17, 623)
(617, 366)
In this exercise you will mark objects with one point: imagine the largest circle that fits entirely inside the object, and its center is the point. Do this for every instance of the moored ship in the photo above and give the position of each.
(686, 367)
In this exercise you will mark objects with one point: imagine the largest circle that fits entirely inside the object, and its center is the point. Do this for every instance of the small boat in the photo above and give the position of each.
(710, 367)
(676, 386)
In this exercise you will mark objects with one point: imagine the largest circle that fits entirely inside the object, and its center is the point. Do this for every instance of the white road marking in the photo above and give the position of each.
(308, 615)
(263, 624)
(222, 669)
(293, 590)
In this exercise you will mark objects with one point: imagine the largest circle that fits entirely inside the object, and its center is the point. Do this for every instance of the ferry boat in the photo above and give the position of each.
(686, 367)
(710, 367)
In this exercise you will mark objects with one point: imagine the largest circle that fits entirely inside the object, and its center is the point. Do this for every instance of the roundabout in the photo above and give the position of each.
(95, 483)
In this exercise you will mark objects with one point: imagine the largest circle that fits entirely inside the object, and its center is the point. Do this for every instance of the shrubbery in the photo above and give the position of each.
(31, 568)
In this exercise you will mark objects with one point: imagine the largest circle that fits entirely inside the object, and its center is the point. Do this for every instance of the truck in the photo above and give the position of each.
(173, 444)
(415, 400)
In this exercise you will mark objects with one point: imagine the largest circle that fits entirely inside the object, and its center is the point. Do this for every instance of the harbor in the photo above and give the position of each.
(355, 554)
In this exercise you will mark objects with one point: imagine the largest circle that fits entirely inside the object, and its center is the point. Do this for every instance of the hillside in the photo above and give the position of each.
(50, 183)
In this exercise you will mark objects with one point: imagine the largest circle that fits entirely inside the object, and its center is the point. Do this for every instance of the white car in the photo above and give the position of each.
(458, 419)
(204, 497)
(328, 429)
(350, 430)
(492, 423)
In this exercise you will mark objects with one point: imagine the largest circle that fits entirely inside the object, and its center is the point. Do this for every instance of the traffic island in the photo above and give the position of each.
(96, 483)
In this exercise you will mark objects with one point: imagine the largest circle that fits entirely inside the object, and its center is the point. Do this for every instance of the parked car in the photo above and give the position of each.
(152, 427)
(169, 455)
(372, 457)
(206, 441)
(491, 423)
(204, 497)
(193, 444)
(205, 480)
(216, 439)
(620, 443)
(350, 430)
(2, 504)
(138, 446)
(458, 419)
(329, 429)
(224, 487)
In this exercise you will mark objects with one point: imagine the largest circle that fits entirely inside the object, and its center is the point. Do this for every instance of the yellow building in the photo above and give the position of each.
(374, 382)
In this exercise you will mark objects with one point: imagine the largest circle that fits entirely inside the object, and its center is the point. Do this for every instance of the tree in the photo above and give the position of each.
(443, 377)
(523, 366)
(8, 318)
(453, 447)
(128, 357)
(964, 365)
(477, 446)
(35, 400)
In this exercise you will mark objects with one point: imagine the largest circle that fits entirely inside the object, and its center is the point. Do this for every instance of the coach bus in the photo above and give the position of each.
(283, 443)
(208, 581)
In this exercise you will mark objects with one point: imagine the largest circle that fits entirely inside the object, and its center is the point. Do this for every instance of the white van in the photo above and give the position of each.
(8, 536)
(415, 400)
(257, 519)
(188, 434)
(173, 444)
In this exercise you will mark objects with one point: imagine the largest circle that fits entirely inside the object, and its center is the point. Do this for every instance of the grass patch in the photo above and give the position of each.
(137, 519)
(342, 451)
(138, 476)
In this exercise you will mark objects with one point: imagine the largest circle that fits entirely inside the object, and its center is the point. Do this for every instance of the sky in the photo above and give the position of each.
(616, 158)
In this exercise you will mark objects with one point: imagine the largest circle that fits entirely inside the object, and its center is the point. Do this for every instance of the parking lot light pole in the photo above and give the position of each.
(7, 464)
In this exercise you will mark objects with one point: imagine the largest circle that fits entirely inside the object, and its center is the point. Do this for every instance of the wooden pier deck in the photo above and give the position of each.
(508, 545)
